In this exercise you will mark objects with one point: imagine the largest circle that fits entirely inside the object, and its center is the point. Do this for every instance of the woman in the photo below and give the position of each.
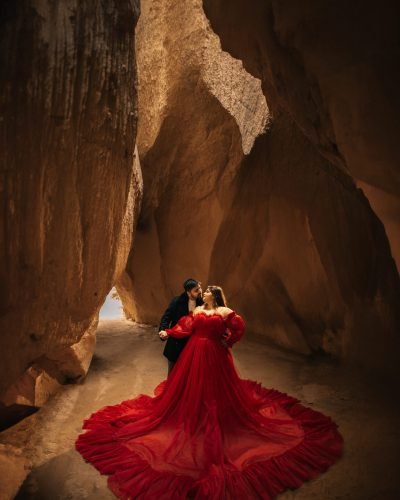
(207, 434)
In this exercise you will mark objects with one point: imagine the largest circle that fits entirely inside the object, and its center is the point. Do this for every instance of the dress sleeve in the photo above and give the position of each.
(183, 328)
(235, 325)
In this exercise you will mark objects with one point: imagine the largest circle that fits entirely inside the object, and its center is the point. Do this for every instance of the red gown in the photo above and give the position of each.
(207, 434)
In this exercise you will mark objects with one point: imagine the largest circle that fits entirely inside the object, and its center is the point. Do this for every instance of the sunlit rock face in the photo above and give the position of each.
(199, 114)
(68, 176)
(335, 68)
(281, 226)
(176, 52)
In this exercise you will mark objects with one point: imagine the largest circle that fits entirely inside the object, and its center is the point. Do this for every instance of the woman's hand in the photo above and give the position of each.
(163, 335)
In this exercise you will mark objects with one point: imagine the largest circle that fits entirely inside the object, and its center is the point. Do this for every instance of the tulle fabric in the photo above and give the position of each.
(206, 433)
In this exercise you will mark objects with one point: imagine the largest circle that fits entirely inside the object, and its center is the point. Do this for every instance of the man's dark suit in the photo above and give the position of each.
(178, 307)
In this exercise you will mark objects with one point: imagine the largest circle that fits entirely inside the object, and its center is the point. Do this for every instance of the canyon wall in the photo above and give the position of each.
(69, 180)
(262, 202)
(335, 69)
(304, 257)
(199, 113)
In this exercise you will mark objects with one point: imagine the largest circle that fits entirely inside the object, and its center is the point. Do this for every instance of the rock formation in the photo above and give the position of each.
(305, 258)
(68, 178)
(44, 377)
(276, 219)
(14, 467)
(275, 175)
(335, 69)
(188, 143)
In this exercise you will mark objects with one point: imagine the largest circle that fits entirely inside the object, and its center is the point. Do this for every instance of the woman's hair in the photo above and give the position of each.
(218, 294)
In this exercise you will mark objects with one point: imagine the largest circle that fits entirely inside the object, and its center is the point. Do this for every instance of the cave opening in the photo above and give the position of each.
(112, 307)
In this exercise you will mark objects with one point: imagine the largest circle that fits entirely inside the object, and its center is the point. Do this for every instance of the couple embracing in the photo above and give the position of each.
(206, 433)
(191, 300)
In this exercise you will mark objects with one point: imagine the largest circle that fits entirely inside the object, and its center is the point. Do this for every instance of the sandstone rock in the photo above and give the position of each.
(199, 113)
(304, 257)
(125, 291)
(335, 69)
(181, 209)
(387, 208)
(33, 388)
(73, 362)
(283, 228)
(68, 177)
(14, 468)
(44, 378)
(184, 53)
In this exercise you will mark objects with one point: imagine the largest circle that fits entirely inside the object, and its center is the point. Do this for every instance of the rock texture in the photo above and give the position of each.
(387, 208)
(45, 376)
(184, 53)
(73, 362)
(304, 257)
(281, 226)
(199, 114)
(14, 467)
(335, 68)
(68, 177)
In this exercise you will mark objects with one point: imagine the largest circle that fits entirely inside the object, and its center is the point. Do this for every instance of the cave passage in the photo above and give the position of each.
(254, 148)
(112, 307)
(128, 361)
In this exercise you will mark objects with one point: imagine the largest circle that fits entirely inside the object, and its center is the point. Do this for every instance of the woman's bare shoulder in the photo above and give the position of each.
(224, 310)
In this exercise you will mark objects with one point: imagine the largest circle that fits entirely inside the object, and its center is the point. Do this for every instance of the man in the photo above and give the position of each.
(179, 306)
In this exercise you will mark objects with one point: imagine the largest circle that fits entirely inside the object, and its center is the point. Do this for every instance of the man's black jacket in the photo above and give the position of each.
(178, 307)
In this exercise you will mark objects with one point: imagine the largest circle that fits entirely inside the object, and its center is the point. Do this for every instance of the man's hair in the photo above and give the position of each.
(190, 283)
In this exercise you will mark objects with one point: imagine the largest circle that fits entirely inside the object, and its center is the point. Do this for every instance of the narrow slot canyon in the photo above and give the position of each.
(251, 146)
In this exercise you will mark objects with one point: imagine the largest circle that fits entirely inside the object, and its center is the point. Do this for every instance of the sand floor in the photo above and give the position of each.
(128, 361)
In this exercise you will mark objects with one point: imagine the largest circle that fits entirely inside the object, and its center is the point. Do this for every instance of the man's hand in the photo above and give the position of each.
(225, 337)
(163, 335)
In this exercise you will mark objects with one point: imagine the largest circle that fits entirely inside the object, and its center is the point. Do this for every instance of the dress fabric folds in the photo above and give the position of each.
(206, 433)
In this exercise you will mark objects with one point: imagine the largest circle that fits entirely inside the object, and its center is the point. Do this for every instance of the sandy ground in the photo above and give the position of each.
(129, 361)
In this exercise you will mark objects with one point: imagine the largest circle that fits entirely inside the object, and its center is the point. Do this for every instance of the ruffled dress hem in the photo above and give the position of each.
(132, 477)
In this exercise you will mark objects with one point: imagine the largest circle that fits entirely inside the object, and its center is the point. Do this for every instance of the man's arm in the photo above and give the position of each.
(166, 318)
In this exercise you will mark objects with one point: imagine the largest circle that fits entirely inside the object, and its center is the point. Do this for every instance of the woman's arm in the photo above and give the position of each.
(235, 325)
(183, 328)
